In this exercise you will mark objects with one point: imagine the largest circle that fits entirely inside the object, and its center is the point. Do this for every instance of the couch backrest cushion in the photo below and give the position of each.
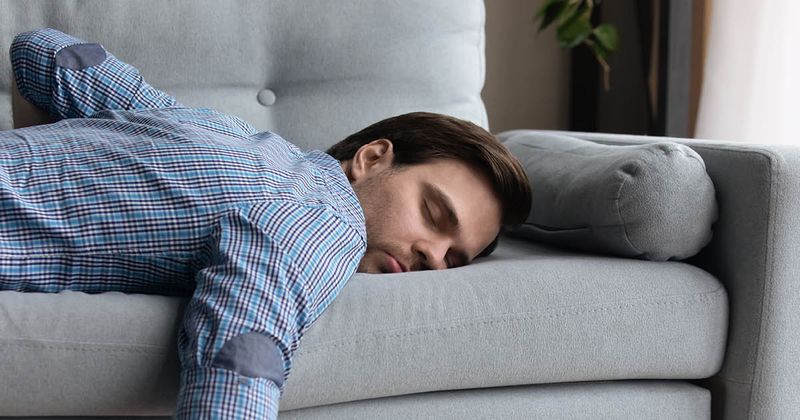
(287, 66)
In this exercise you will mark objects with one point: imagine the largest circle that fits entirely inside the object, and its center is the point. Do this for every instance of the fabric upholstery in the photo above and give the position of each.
(624, 400)
(319, 79)
(653, 400)
(652, 201)
(332, 68)
(754, 253)
(528, 314)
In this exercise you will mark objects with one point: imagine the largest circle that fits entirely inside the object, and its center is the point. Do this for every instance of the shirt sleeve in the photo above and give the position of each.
(272, 268)
(70, 78)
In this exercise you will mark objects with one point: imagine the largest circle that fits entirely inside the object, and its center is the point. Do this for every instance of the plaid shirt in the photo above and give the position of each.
(133, 192)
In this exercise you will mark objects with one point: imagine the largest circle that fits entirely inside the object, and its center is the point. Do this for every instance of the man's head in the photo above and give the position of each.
(435, 191)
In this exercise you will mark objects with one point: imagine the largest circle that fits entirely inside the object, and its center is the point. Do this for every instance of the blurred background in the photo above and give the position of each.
(714, 69)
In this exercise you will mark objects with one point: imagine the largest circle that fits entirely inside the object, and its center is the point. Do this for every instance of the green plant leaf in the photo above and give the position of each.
(571, 10)
(607, 37)
(576, 28)
(549, 12)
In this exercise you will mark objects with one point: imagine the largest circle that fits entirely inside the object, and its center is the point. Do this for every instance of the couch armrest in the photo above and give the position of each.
(755, 253)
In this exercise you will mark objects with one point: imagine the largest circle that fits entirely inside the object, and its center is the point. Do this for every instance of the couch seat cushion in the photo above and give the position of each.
(640, 399)
(529, 314)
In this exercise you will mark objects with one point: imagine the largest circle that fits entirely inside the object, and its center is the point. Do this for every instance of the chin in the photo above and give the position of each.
(365, 266)
(370, 264)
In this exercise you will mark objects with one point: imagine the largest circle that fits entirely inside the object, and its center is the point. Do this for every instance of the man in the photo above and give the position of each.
(131, 191)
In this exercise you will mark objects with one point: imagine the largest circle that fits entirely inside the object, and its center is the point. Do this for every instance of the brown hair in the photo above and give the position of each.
(420, 137)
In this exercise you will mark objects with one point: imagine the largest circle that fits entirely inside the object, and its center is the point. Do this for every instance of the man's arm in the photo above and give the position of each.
(69, 78)
(270, 271)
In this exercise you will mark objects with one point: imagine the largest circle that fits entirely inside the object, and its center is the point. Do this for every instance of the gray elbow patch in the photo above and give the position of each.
(80, 56)
(253, 355)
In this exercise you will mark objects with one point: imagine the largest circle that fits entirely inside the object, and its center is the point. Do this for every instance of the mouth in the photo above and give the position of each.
(394, 266)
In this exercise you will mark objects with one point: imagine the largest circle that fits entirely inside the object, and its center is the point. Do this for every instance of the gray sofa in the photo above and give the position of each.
(532, 331)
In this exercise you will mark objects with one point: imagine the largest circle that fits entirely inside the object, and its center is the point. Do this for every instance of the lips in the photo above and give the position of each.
(393, 265)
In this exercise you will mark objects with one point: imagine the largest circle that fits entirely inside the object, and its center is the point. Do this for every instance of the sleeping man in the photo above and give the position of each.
(128, 190)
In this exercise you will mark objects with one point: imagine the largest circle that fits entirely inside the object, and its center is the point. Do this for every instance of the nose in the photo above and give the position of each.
(431, 253)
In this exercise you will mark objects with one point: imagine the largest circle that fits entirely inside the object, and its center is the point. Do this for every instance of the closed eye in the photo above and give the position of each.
(444, 206)
(429, 216)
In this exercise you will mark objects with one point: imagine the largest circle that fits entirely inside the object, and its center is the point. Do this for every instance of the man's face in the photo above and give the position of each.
(435, 215)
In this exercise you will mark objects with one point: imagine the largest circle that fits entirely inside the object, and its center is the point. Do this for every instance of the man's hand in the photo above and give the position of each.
(25, 114)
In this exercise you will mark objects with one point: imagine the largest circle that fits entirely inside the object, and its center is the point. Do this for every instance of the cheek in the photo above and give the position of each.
(396, 219)
(407, 219)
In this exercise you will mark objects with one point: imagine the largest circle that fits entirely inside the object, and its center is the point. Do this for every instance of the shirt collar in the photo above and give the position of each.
(341, 190)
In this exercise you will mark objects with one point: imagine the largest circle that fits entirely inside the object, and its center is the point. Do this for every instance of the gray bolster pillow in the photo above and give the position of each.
(651, 201)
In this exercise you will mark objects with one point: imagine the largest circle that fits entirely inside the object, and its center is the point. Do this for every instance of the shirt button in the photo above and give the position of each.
(266, 97)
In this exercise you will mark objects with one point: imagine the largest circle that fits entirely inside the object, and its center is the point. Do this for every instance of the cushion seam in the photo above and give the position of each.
(705, 297)
(637, 251)
(86, 348)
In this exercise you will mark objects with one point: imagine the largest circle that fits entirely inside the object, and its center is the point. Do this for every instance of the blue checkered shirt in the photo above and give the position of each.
(133, 192)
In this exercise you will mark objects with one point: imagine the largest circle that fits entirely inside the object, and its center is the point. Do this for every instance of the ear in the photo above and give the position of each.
(370, 159)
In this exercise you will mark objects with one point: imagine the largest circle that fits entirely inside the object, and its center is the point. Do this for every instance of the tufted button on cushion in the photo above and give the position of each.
(266, 97)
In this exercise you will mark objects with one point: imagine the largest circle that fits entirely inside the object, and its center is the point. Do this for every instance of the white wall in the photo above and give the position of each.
(750, 79)
(527, 76)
